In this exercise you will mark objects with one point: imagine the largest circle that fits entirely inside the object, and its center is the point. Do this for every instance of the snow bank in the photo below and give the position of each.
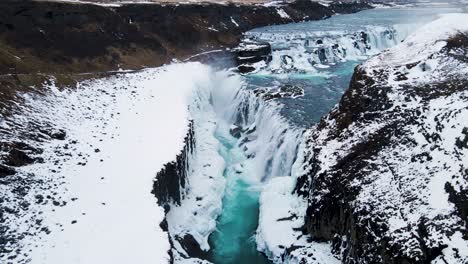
(416, 57)
(282, 13)
(279, 210)
(120, 132)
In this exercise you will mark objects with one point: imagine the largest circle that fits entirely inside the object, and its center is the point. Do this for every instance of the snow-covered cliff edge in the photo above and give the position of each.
(85, 159)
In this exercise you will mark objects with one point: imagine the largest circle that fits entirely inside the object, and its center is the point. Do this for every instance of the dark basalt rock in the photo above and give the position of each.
(6, 171)
(343, 7)
(286, 60)
(460, 199)
(191, 246)
(168, 187)
(57, 134)
(462, 142)
(251, 52)
(17, 158)
(321, 54)
(19, 154)
(291, 90)
(284, 91)
(236, 132)
(245, 68)
(169, 183)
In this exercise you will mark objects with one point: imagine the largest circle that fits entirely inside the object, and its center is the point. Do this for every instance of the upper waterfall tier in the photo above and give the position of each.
(313, 47)
(311, 52)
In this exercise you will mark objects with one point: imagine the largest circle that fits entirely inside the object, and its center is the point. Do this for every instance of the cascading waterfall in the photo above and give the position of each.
(243, 142)
(265, 137)
(257, 144)
(240, 142)
(308, 52)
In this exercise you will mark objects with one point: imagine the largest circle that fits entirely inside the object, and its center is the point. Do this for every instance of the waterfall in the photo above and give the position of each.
(240, 136)
(258, 144)
(312, 51)
(222, 106)
(266, 137)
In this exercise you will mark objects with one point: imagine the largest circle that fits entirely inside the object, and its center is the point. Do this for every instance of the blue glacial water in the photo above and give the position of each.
(234, 242)
(323, 82)
(321, 92)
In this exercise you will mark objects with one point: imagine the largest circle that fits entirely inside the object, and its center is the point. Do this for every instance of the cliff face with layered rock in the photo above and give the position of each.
(169, 183)
(386, 174)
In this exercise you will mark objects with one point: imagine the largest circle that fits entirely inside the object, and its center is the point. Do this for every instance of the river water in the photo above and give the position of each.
(233, 242)
(319, 58)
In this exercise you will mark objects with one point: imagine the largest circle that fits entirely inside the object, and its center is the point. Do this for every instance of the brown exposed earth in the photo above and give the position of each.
(59, 37)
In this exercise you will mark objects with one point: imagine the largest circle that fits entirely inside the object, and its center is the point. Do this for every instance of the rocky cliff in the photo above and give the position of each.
(386, 179)
(170, 181)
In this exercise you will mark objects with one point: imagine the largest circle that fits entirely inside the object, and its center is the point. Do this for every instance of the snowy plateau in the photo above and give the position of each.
(120, 131)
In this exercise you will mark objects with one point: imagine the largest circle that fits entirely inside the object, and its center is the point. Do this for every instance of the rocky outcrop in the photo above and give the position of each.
(169, 187)
(386, 179)
(283, 91)
(249, 53)
(348, 7)
(169, 183)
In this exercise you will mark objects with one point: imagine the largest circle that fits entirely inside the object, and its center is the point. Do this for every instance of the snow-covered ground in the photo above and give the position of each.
(91, 202)
(421, 47)
(95, 196)
(282, 215)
